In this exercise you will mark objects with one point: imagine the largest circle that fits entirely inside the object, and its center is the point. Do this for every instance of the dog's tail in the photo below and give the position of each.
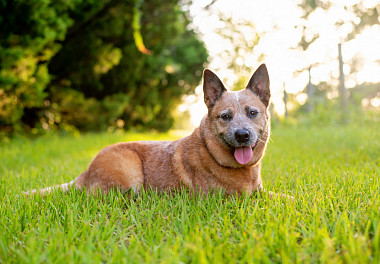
(63, 187)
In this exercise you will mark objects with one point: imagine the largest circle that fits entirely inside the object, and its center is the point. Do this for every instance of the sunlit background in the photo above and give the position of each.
(108, 65)
(280, 34)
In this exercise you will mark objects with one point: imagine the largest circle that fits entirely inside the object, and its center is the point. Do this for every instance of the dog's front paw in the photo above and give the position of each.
(272, 194)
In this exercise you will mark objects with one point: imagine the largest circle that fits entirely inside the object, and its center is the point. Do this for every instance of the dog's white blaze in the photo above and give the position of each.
(236, 93)
(237, 97)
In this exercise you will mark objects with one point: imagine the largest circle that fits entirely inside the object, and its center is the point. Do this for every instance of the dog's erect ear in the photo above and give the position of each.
(259, 84)
(213, 88)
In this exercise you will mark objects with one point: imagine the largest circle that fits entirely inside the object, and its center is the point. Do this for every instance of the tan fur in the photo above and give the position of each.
(201, 160)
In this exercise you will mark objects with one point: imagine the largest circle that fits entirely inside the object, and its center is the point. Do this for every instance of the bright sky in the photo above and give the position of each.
(275, 21)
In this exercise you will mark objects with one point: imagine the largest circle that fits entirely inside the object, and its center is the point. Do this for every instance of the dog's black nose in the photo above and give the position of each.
(242, 135)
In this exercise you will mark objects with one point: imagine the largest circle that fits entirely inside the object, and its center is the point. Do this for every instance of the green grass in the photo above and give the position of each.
(332, 171)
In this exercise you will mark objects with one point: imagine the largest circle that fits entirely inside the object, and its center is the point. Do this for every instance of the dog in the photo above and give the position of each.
(224, 152)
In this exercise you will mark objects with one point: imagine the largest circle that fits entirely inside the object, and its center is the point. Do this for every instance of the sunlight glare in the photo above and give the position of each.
(277, 22)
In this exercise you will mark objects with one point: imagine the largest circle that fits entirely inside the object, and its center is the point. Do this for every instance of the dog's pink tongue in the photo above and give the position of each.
(243, 155)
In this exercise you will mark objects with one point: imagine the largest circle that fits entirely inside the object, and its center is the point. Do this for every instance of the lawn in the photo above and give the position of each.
(333, 172)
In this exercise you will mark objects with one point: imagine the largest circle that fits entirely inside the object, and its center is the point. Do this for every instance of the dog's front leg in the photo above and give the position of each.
(260, 188)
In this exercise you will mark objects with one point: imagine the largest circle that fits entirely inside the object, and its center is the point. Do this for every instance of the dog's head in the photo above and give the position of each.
(239, 120)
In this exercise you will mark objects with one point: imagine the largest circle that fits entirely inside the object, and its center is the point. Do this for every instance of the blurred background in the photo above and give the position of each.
(109, 65)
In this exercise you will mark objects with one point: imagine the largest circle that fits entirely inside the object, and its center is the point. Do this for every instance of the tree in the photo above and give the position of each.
(95, 75)
(361, 16)
(348, 21)
(29, 31)
(240, 53)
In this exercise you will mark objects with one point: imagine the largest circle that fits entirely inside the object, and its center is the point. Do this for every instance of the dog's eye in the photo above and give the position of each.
(226, 117)
(253, 113)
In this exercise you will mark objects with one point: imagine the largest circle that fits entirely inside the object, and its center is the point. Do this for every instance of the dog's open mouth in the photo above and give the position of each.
(243, 155)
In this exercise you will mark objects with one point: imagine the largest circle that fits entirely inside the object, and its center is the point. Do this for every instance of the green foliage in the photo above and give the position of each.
(332, 171)
(29, 31)
(329, 111)
(357, 17)
(76, 63)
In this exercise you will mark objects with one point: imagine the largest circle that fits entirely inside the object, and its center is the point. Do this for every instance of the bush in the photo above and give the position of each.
(75, 64)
